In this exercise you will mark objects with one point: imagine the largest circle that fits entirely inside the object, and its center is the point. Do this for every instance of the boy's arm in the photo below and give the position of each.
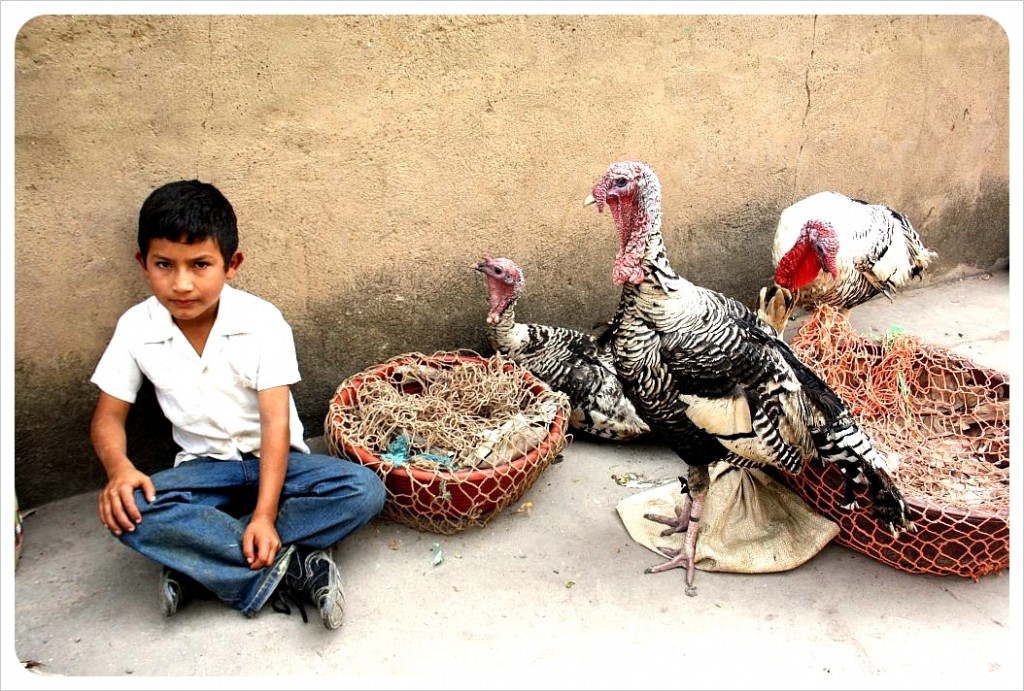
(117, 508)
(260, 542)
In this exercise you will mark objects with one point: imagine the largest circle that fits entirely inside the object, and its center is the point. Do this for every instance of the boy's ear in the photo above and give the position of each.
(236, 261)
(140, 259)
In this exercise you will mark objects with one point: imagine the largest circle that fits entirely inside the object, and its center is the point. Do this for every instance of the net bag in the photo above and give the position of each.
(943, 420)
(455, 437)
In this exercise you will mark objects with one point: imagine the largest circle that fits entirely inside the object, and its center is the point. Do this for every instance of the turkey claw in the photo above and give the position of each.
(909, 526)
(676, 524)
(677, 560)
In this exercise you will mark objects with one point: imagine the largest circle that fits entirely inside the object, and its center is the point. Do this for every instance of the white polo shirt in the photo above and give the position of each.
(210, 400)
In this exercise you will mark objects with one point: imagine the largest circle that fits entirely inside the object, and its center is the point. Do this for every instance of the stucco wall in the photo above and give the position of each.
(372, 160)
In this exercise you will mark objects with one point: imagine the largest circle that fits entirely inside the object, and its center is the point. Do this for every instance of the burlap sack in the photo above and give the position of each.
(751, 523)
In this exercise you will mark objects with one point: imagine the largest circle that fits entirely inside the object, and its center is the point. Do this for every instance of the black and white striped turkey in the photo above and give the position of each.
(565, 359)
(830, 249)
(712, 381)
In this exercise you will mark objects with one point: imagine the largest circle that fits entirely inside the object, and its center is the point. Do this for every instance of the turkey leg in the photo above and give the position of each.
(693, 507)
(679, 522)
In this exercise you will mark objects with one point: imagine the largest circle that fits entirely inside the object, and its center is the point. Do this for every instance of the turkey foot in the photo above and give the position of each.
(691, 512)
(676, 524)
(681, 521)
(680, 558)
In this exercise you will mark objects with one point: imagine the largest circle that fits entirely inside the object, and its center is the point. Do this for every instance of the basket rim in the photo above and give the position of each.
(927, 507)
(467, 475)
(964, 513)
(450, 359)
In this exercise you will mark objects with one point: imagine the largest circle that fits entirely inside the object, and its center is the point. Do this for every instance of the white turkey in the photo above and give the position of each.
(567, 360)
(712, 381)
(830, 249)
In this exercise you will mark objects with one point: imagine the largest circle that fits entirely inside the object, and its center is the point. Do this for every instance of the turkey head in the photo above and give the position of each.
(814, 252)
(505, 284)
(632, 193)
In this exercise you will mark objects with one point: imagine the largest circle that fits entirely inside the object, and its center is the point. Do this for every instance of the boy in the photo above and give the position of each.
(247, 512)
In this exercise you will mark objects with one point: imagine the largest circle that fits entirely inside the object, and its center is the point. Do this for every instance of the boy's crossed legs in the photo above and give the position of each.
(195, 526)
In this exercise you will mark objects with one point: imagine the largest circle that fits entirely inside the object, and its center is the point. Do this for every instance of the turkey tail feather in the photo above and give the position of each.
(851, 450)
(842, 442)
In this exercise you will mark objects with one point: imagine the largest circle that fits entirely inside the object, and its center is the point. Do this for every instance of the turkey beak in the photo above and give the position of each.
(824, 260)
(829, 264)
(589, 200)
(481, 267)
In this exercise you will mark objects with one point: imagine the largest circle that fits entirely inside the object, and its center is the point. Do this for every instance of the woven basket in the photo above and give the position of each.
(950, 539)
(438, 500)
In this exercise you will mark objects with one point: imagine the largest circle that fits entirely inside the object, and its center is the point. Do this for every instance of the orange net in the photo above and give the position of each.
(456, 437)
(943, 420)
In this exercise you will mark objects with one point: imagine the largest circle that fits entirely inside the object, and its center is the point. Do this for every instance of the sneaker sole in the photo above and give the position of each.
(332, 602)
(170, 596)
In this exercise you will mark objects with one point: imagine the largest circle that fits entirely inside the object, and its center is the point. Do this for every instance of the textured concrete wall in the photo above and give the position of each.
(372, 160)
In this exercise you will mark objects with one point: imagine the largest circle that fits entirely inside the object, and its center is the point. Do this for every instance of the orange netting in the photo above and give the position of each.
(456, 437)
(943, 420)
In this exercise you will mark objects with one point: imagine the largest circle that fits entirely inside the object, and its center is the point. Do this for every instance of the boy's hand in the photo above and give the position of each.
(117, 508)
(260, 543)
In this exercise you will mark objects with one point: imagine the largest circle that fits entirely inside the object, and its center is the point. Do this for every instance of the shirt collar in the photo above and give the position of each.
(232, 317)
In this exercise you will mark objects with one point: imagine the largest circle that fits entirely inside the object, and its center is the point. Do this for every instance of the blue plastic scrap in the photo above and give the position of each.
(398, 453)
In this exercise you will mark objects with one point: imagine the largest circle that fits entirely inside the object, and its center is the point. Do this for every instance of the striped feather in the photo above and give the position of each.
(566, 360)
(711, 378)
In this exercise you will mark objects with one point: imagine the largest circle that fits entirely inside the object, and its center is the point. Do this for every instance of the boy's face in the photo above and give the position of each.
(188, 279)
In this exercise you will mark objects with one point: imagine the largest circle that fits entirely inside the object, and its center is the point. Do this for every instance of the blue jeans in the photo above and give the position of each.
(202, 507)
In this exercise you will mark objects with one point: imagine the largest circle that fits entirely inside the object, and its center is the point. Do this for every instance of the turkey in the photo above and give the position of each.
(567, 360)
(714, 382)
(834, 250)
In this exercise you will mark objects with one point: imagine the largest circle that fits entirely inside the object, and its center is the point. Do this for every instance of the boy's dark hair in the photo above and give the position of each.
(188, 211)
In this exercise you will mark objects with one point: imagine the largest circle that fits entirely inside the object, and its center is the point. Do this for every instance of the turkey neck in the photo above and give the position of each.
(506, 335)
(659, 276)
(663, 300)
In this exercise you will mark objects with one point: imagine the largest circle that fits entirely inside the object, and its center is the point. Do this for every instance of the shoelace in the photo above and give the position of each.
(280, 603)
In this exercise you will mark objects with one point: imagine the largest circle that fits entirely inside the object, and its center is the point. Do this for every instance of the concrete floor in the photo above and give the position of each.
(554, 598)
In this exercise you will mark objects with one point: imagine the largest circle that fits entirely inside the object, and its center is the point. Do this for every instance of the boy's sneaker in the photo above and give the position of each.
(170, 591)
(312, 575)
(176, 589)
